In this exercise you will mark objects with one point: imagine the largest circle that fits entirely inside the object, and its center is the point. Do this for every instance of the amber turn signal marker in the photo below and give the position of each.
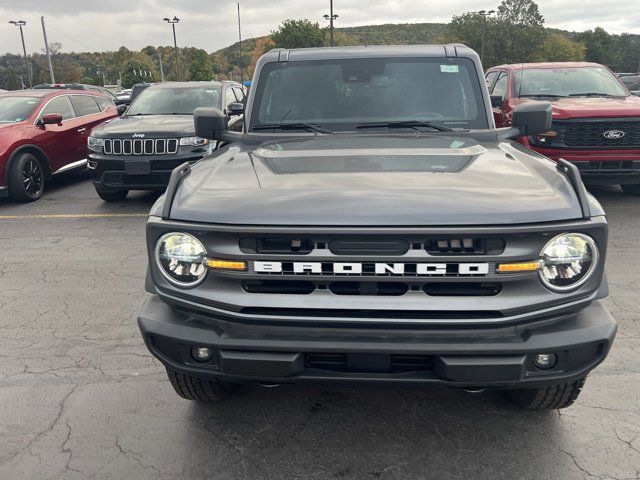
(519, 267)
(226, 264)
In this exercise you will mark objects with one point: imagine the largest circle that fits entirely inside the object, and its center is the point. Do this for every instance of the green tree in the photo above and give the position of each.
(298, 34)
(200, 67)
(601, 47)
(137, 70)
(558, 48)
(467, 29)
(521, 28)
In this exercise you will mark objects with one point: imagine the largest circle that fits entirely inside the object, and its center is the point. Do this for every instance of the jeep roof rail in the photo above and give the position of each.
(573, 174)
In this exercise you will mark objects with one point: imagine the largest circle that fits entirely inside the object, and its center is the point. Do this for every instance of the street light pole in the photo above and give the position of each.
(46, 47)
(484, 14)
(20, 24)
(331, 17)
(240, 44)
(173, 22)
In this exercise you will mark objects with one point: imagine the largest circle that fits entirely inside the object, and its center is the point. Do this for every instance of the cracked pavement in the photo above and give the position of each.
(81, 398)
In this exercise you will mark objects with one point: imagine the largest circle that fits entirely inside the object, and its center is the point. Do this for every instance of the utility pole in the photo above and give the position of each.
(161, 68)
(20, 24)
(46, 46)
(240, 44)
(331, 17)
(173, 22)
(484, 14)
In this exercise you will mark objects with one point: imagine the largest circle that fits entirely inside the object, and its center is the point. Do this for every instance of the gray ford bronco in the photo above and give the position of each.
(371, 225)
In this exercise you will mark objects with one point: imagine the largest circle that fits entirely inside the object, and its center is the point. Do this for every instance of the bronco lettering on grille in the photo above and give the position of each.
(370, 268)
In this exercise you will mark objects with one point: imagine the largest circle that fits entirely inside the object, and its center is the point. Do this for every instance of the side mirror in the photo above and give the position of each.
(51, 119)
(122, 109)
(496, 101)
(209, 122)
(532, 118)
(635, 92)
(235, 108)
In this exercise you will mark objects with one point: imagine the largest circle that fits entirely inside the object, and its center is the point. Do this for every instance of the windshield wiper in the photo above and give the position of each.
(592, 94)
(292, 126)
(542, 95)
(408, 123)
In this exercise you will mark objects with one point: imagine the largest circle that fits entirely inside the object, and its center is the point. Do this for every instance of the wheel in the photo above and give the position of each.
(552, 397)
(199, 389)
(109, 195)
(631, 189)
(26, 178)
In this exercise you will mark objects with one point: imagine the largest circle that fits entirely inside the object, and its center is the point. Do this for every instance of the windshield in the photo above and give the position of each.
(174, 101)
(341, 94)
(16, 109)
(568, 82)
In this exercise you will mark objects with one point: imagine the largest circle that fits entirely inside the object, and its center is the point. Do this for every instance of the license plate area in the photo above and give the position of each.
(137, 167)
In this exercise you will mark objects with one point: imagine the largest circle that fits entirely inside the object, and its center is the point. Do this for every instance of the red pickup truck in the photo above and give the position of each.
(596, 121)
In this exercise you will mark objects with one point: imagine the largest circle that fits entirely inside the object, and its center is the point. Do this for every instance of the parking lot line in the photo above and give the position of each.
(72, 215)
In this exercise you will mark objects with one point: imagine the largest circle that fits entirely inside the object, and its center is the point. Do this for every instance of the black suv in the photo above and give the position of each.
(155, 134)
(371, 225)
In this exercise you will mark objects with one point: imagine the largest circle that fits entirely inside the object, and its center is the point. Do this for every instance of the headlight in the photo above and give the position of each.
(95, 144)
(181, 258)
(568, 261)
(544, 139)
(193, 141)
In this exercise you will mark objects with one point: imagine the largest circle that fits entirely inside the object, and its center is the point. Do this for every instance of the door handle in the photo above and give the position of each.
(82, 130)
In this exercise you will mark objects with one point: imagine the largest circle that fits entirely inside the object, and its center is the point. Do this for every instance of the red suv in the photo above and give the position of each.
(43, 133)
(596, 122)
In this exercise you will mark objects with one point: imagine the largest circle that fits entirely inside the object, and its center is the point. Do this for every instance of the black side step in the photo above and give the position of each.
(573, 174)
(177, 175)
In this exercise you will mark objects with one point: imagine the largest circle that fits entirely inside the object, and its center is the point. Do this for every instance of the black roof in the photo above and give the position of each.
(363, 51)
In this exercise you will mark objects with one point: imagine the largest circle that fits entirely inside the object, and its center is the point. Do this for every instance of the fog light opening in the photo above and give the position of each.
(201, 354)
(545, 361)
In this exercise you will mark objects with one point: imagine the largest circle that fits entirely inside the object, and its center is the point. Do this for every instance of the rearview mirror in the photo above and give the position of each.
(532, 118)
(51, 119)
(121, 109)
(209, 122)
(235, 108)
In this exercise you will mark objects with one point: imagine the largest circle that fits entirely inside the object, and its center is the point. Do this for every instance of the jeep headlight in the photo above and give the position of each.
(181, 258)
(95, 144)
(193, 141)
(568, 261)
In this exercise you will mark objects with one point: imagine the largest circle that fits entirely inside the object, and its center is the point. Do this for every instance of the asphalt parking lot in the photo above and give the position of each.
(80, 396)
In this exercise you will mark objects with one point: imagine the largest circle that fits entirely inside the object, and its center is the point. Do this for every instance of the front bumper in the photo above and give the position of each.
(136, 173)
(470, 358)
(603, 167)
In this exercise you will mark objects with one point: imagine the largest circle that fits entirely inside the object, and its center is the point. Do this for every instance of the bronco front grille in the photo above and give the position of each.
(372, 276)
(590, 133)
(138, 146)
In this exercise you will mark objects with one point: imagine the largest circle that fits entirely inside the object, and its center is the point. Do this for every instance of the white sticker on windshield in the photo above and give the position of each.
(449, 68)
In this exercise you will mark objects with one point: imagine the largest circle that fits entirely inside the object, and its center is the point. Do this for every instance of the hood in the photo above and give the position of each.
(153, 125)
(585, 107)
(368, 180)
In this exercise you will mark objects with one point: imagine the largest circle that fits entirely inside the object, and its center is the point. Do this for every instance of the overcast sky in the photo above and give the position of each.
(98, 25)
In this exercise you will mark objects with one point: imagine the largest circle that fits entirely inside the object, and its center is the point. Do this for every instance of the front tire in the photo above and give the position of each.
(199, 389)
(26, 178)
(631, 189)
(552, 397)
(109, 195)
